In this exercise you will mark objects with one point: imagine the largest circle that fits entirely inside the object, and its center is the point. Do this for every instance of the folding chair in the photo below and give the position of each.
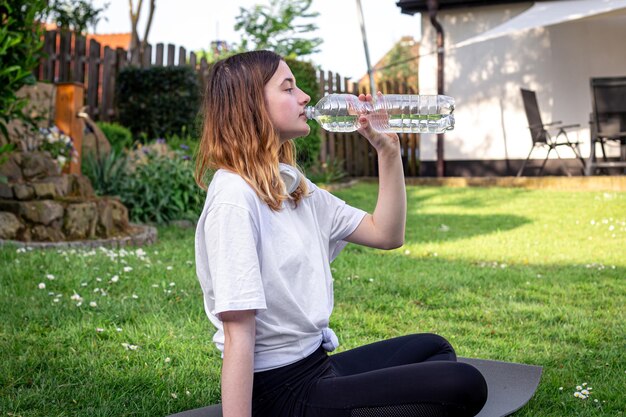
(541, 136)
(608, 120)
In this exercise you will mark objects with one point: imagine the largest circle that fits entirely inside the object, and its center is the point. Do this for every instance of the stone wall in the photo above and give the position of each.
(38, 203)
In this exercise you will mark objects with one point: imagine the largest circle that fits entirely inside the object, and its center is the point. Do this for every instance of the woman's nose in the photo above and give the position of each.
(306, 98)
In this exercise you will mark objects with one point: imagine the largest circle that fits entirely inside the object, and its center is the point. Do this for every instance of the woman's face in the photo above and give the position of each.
(285, 103)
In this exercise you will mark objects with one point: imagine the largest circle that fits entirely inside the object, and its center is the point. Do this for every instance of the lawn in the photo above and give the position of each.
(528, 276)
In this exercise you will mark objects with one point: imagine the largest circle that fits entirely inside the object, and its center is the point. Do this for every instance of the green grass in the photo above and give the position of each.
(537, 277)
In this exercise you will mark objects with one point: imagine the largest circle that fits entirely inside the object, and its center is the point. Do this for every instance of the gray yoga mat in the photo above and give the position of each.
(511, 385)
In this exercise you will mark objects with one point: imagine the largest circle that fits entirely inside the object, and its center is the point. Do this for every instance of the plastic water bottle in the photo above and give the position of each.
(399, 113)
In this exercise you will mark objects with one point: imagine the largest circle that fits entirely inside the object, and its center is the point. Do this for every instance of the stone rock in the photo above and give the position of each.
(94, 140)
(23, 191)
(11, 206)
(10, 225)
(120, 215)
(183, 224)
(42, 211)
(25, 235)
(44, 189)
(37, 165)
(80, 220)
(11, 168)
(40, 106)
(46, 234)
(61, 184)
(6, 191)
(105, 226)
(81, 186)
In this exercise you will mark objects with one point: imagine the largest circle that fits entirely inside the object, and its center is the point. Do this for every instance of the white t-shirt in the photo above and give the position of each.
(249, 257)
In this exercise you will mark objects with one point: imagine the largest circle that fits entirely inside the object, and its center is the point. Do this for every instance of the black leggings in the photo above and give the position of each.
(409, 376)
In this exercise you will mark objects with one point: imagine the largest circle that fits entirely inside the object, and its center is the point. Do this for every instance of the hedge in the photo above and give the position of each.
(158, 102)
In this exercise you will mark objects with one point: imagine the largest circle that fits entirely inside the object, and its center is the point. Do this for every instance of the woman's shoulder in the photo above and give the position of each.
(230, 188)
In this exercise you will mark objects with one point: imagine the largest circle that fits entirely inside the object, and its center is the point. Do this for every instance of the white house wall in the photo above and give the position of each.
(484, 78)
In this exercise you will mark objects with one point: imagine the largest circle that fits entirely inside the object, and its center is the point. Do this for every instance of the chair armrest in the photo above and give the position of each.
(613, 136)
(569, 126)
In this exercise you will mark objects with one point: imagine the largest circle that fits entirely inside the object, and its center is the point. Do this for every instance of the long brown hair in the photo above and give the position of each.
(238, 134)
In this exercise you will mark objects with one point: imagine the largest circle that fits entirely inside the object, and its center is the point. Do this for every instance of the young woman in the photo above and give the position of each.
(264, 243)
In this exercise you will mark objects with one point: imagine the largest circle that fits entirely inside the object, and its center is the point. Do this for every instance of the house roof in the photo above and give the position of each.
(112, 40)
(418, 6)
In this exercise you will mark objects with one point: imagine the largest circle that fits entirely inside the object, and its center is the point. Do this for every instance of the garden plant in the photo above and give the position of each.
(530, 276)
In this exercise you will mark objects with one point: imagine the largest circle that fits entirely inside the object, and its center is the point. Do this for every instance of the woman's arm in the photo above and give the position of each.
(384, 228)
(238, 365)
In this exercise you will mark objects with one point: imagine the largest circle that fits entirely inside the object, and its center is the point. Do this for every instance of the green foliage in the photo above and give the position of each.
(274, 27)
(327, 172)
(108, 173)
(400, 62)
(309, 146)
(20, 50)
(118, 136)
(76, 15)
(159, 101)
(162, 190)
(4, 151)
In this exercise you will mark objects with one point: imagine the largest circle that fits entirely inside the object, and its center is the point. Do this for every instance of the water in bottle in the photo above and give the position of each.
(399, 113)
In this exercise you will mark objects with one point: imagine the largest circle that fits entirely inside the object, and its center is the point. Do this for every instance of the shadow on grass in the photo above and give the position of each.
(446, 227)
(363, 195)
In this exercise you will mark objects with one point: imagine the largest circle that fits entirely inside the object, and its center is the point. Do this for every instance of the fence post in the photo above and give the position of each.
(93, 78)
(69, 101)
(146, 58)
(50, 47)
(182, 56)
(159, 55)
(108, 74)
(79, 57)
(64, 56)
(171, 51)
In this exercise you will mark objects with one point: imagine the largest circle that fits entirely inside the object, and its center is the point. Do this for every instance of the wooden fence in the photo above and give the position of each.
(70, 58)
(357, 157)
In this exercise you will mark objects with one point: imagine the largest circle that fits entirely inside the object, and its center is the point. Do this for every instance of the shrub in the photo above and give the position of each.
(159, 101)
(309, 146)
(20, 50)
(106, 173)
(327, 172)
(162, 189)
(118, 136)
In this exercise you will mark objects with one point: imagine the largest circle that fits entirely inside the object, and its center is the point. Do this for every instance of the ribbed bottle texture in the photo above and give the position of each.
(399, 113)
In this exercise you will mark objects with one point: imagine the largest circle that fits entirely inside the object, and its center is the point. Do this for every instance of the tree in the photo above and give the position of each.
(401, 62)
(75, 15)
(20, 51)
(137, 44)
(274, 27)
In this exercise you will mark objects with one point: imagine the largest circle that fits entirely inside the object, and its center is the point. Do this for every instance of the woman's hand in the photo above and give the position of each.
(382, 142)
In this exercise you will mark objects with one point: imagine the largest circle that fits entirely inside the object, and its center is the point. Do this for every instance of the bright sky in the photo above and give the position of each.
(193, 24)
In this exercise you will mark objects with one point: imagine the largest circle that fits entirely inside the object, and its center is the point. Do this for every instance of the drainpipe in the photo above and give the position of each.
(433, 7)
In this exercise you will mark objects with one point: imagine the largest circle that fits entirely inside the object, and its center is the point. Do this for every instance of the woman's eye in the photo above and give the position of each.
(289, 90)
